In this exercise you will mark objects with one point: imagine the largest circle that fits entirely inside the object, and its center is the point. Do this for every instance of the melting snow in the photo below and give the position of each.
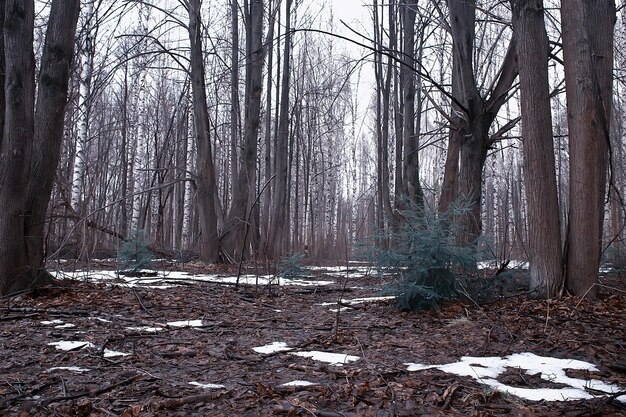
(486, 371)
(66, 345)
(360, 300)
(185, 323)
(65, 326)
(112, 354)
(51, 322)
(146, 329)
(207, 386)
(298, 384)
(272, 348)
(170, 279)
(68, 368)
(332, 358)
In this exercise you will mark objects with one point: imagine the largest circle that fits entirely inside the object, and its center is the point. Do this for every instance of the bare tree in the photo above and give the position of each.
(205, 179)
(31, 142)
(588, 61)
(546, 266)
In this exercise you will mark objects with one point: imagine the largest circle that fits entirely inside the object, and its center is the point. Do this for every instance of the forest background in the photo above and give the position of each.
(256, 129)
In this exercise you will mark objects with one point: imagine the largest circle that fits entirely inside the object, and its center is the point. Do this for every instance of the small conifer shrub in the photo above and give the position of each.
(290, 267)
(134, 255)
(426, 259)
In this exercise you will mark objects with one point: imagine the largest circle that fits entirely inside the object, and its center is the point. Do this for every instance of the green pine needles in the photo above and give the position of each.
(425, 257)
(290, 267)
(134, 255)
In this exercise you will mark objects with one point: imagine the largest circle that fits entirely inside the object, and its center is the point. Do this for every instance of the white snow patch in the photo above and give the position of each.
(146, 329)
(51, 322)
(185, 323)
(100, 319)
(298, 384)
(65, 326)
(170, 279)
(493, 264)
(361, 300)
(272, 348)
(331, 358)
(69, 368)
(207, 386)
(486, 371)
(71, 345)
(112, 353)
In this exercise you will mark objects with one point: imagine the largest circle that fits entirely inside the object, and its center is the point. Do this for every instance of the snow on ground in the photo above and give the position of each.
(69, 368)
(206, 386)
(487, 370)
(186, 323)
(147, 329)
(71, 345)
(337, 359)
(168, 279)
(272, 348)
(298, 384)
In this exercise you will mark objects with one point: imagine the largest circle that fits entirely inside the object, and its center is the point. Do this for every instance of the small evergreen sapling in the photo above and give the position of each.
(134, 255)
(426, 258)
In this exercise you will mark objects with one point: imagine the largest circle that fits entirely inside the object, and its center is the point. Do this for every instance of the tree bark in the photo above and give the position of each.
(546, 265)
(239, 217)
(588, 59)
(279, 226)
(31, 143)
(205, 180)
(411, 187)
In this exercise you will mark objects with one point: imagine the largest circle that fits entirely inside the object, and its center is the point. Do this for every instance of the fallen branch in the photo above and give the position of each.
(91, 393)
(179, 402)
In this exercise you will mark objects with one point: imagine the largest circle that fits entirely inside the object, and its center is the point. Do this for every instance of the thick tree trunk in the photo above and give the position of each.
(411, 187)
(241, 224)
(280, 226)
(588, 59)
(470, 133)
(30, 149)
(205, 180)
(546, 265)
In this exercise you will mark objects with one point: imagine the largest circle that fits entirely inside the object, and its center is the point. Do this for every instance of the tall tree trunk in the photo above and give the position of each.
(279, 224)
(235, 114)
(588, 59)
(31, 142)
(205, 180)
(470, 133)
(240, 224)
(411, 187)
(546, 264)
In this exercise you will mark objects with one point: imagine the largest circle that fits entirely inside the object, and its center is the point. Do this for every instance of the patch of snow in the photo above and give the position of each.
(71, 345)
(171, 279)
(331, 358)
(69, 368)
(272, 348)
(486, 371)
(65, 326)
(207, 386)
(361, 300)
(298, 384)
(185, 323)
(51, 322)
(493, 264)
(146, 329)
(112, 353)
(100, 319)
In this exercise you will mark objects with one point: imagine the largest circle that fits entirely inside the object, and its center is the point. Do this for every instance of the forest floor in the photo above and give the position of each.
(132, 356)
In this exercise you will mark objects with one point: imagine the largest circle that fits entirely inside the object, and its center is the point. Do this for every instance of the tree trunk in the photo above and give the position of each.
(588, 59)
(240, 224)
(411, 187)
(205, 180)
(279, 224)
(546, 265)
(31, 142)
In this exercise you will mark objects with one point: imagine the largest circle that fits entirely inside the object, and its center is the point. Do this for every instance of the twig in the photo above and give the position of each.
(91, 393)
(193, 399)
